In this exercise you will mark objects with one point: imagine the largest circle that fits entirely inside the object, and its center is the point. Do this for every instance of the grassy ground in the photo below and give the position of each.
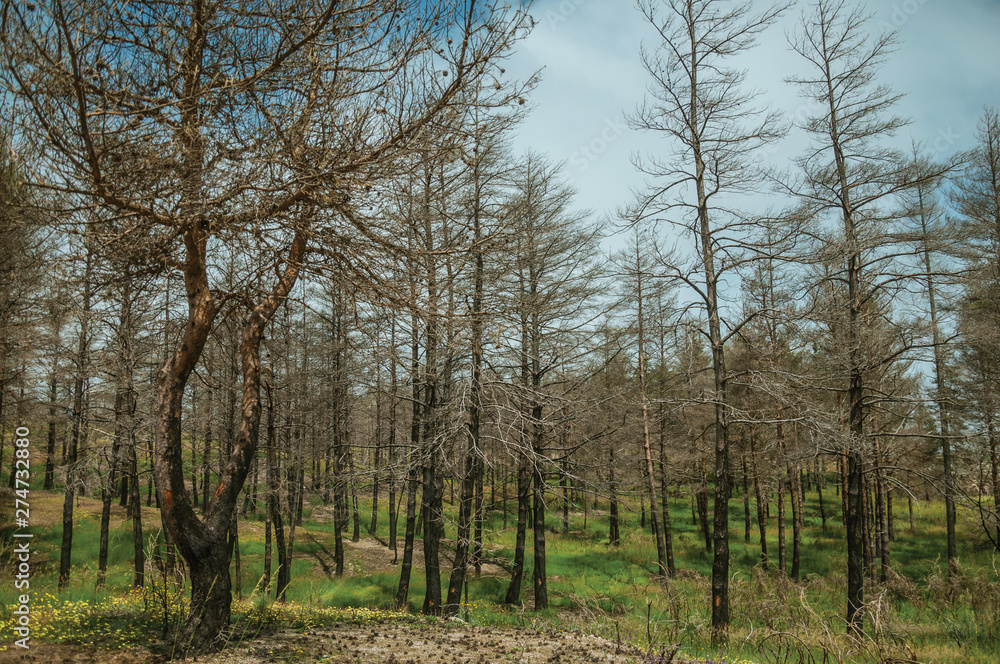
(917, 615)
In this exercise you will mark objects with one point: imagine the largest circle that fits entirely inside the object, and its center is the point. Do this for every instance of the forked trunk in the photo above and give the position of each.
(211, 595)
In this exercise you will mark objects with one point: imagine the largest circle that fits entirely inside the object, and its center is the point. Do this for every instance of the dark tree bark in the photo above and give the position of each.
(413, 475)
(205, 543)
(668, 540)
(377, 460)
(746, 502)
(614, 526)
(994, 472)
(564, 485)
(78, 433)
(881, 516)
(472, 478)
(783, 484)
(820, 483)
(135, 513)
(795, 489)
(270, 477)
(702, 502)
(477, 546)
(761, 515)
(539, 577)
(274, 502)
(50, 448)
(412, 482)
(513, 595)
(234, 548)
(393, 406)
(124, 413)
(782, 553)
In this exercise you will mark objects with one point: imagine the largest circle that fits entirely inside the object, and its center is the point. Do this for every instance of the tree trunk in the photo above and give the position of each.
(472, 479)
(108, 486)
(668, 540)
(882, 519)
(466, 507)
(513, 595)
(746, 502)
(338, 523)
(135, 513)
(702, 499)
(234, 546)
(50, 449)
(614, 534)
(539, 577)
(564, 485)
(376, 476)
(941, 392)
(654, 512)
(782, 482)
(273, 506)
(78, 428)
(204, 543)
(994, 471)
(820, 483)
(394, 386)
(796, 495)
(431, 495)
(413, 476)
(477, 547)
(761, 516)
(412, 481)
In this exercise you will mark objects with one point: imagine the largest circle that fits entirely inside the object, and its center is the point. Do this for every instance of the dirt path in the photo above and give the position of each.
(441, 643)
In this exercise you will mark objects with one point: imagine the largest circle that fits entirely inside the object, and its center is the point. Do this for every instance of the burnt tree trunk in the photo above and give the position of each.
(539, 577)
(204, 543)
(413, 475)
(702, 500)
(747, 525)
(135, 513)
(50, 448)
(513, 595)
(994, 471)
(78, 427)
(614, 528)
(761, 515)
(795, 489)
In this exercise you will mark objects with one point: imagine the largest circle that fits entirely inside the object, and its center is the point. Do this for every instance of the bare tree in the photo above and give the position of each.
(81, 381)
(695, 101)
(262, 128)
(637, 271)
(977, 199)
(548, 281)
(852, 176)
(22, 213)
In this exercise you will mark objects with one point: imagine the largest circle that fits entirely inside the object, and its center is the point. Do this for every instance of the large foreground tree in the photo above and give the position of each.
(260, 128)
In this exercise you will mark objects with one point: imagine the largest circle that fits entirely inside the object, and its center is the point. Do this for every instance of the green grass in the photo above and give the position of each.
(609, 590)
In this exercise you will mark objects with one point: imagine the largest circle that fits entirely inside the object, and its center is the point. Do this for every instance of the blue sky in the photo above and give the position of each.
(947, 65)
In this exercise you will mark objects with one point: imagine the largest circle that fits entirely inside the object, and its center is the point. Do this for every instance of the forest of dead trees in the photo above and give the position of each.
(255, 261)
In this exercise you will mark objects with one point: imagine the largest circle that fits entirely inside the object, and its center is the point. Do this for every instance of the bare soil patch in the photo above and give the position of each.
(435, 643)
